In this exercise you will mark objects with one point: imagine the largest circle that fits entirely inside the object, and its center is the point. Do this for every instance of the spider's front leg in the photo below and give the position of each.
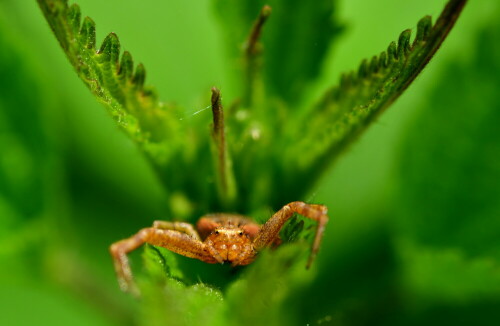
(177, 226)
(185, 243)
(270, 230)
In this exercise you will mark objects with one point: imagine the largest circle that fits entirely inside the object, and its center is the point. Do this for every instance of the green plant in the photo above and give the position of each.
(275, 146)
(263, 149)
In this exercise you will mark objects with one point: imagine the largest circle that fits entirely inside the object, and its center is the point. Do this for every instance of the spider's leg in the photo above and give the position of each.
(177, 226)
(270, 230)
(175, 241)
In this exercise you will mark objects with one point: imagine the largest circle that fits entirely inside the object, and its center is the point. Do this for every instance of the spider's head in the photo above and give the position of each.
(230, 245)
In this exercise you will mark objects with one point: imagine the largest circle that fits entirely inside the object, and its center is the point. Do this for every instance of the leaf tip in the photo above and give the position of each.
(87, 33)
(383, 62)
(126, 68)
(391, 53)
(363, 69)
(215, 93)
(374, 65)
(139, 76)
(266, 11)
(403, 43)
(346, 80)
(216, 106)
(110, 48)
(74, 17)
(423, 28)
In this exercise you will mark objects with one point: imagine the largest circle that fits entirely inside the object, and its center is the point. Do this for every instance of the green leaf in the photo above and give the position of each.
(170, 144)
(265, 285)
(160, 263)
(449, 220)
(27, 160)
(262, 289)
(449, 173)
(23, 141)
(168, 301)
(448, 275)
(112, 79)
(346, 110)
(448, 286)
(30, 182)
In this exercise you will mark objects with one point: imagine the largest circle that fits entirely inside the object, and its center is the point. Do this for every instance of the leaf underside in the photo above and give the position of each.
(110, 75)
(347, 109)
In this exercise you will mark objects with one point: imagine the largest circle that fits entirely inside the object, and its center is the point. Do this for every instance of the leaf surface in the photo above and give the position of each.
(346, 110)
(110, 75)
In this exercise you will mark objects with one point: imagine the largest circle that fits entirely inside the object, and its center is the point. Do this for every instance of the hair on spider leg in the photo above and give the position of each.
(312, 196)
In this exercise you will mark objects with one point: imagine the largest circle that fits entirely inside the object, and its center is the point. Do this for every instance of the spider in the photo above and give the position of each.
(219, 238)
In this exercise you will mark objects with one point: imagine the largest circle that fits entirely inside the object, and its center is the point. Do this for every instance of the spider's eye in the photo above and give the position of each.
(216, 232)
(241, 232)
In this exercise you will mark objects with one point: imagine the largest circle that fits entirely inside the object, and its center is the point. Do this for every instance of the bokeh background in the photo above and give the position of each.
(414, 236)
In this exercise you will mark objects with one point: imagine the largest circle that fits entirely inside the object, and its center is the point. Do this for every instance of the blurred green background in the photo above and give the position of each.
(415, 210)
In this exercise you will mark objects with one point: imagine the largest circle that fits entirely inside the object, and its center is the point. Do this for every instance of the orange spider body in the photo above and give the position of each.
(228, 239)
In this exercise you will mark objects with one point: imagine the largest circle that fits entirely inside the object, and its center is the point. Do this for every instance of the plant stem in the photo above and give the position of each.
(252, 51)
(225, 177)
